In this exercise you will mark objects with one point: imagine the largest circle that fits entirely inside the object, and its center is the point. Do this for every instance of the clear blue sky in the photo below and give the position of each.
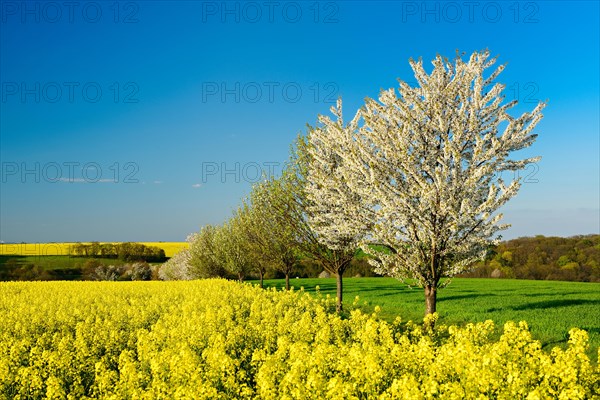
(117, 122)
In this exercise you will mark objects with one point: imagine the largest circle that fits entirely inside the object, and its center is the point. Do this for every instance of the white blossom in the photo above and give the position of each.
(177, 267)
(334, 211)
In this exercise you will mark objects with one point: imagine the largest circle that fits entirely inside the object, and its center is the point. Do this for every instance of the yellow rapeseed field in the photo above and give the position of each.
(64, 249)
(216, 339)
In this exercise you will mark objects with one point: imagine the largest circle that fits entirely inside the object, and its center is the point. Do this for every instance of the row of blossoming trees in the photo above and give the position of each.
(411, 179)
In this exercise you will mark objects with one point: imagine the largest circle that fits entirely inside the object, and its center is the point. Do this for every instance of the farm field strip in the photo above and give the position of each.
(64, 249)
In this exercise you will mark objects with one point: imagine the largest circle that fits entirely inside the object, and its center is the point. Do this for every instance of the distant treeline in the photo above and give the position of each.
(127, 251)
(575, 258)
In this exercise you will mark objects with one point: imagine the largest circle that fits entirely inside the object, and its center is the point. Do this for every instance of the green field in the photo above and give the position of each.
(53, 262)
(64, 268)
(57, 267)
(550, 308)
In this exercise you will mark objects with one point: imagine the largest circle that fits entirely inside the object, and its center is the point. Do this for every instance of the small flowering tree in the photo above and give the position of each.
(426, 160)
(139, 271)
(202, 259)
(108, 272)
(179, 266)
(295, 209)
(333, 211)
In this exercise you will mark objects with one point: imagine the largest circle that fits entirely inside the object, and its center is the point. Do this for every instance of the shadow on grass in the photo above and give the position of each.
(379, 295)
(590, 329)
(463, 296)
(546, 304)
(549, 293)
(323, 287)
(549, 345)
(388, 288)
(350, 288)
(555, 303)
(5, 258)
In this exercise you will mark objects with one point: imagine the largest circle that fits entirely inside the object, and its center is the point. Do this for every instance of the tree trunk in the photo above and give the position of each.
(338, 307)
(240, 277)
(287, 281)
(261, 277)
(430, 299)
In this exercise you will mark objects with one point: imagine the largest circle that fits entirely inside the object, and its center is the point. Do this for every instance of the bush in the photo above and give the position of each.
(89, 269)
(108, 272)
(30, 272)
(139, 271)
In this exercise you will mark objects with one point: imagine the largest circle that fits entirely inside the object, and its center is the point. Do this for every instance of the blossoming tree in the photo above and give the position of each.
(426, 161)
(333, 211)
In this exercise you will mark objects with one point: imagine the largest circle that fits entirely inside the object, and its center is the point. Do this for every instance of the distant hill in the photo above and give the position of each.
(575, 258)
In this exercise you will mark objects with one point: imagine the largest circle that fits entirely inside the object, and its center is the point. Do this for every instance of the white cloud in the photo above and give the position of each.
(81, 180)
(197, 185)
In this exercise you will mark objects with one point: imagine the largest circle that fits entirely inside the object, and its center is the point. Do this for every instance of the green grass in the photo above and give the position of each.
(58, 262)
(550, 308)
(57, 267)
(54, 262)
